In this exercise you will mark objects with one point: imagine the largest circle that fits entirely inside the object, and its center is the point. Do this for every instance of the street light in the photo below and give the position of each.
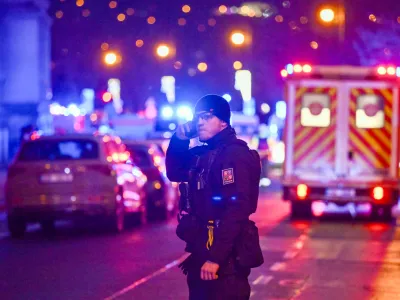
(110, 58)
(327, 15)
(237, 38)
(163, 51)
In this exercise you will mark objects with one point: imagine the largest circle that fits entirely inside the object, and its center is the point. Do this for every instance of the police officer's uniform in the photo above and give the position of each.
(224, 179)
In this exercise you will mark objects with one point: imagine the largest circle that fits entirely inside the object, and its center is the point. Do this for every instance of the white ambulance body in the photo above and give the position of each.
(341, 138)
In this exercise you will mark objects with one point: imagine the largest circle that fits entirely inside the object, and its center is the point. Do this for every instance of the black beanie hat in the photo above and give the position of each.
(215, 104)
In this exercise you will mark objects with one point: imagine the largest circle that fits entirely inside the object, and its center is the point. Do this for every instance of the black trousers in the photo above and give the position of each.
(232, 284)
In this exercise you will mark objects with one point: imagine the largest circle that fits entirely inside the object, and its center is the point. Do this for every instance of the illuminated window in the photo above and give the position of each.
(370, 113)
(315, 110)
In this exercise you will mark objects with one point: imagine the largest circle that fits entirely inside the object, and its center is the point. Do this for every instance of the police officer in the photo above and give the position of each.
(223, 177)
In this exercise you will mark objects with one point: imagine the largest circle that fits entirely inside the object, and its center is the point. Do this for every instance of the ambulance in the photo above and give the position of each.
(341, 139)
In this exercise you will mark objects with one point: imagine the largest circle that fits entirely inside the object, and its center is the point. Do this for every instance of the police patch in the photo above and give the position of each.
(227, 176)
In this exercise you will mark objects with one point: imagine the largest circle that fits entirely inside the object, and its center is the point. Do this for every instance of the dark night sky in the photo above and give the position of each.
(77, 54)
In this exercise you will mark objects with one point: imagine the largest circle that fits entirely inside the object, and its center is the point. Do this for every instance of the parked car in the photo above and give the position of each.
(162, 194)
(73, 176)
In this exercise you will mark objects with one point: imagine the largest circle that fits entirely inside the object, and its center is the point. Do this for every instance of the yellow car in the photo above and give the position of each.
(73, 176)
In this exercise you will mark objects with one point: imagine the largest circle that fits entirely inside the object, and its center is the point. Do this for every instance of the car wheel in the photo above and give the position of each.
(301, 210)
(16, 226)
(383, 214)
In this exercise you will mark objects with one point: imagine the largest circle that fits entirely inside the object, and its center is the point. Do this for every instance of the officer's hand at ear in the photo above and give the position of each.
(185, 131)
(209, 271)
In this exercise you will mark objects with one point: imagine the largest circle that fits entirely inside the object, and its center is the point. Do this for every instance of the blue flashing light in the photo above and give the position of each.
(290, 68)
(280, 109)
(398, 71)
(217, 198)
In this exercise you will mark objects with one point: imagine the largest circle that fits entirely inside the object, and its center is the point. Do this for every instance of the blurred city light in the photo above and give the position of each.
(80, 3)
(121, 17)
(211, 22)
(167, 112)
(327, 15)
(177, 65)
(186, 9)
(227, 97)
(181, 21)
(112, 4)
(139, 43)
(372, 18)
(110, 58)
(107, 96)
(237, 65)
(279, 19)
(130, 11)
(163, 51)
(168, 87)
(314, 45)
(265, 108)
(237, 38)
(284, 73)
(104, 46)
(151, 20)
(280, 109)
(222, 9)
(185, 112)
(202, 67)
(59, 14)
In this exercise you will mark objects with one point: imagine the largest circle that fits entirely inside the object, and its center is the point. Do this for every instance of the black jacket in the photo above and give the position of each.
(231, 191)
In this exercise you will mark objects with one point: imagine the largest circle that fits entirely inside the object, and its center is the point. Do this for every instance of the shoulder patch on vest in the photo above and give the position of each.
(227, 176)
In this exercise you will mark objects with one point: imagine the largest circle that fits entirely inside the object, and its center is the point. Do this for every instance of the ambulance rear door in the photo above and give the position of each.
(369, 137)
(312, 129)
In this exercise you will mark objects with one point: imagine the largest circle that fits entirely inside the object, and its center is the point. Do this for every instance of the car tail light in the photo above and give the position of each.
(378, 193)
(302, 191)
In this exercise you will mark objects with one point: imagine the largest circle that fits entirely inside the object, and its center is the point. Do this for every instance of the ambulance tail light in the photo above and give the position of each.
(378, 193)
(302, 191)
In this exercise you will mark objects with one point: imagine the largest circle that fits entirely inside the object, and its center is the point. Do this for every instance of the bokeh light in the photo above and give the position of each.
(192, 72)
(237, 38)
(130, 11)
(151, 20)
(177, 65)
(59, 14)
(303, 20)
(222, 9)
(110, 58)
(186, 9)
(279, 19)
(80, 3)
(121, 17)
(212, 22)
(163, 51)
(201, 28)
(86, 13)
(139, 43)
(372, 18)
(202, 67)
(314, 45)
(327, 15)
(112, 4)
(237, 65)
(105, 46)
(181, 21)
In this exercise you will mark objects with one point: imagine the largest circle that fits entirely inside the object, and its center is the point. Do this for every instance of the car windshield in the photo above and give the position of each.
(140, 156)
(63, 149)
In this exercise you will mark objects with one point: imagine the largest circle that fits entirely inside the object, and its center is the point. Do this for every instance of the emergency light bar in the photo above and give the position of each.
(340, 71)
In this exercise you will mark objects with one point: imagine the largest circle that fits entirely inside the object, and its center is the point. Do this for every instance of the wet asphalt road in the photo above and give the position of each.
(329, 258)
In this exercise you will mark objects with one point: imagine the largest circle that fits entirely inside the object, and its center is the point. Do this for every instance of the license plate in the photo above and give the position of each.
(340, 192)
(56, 177)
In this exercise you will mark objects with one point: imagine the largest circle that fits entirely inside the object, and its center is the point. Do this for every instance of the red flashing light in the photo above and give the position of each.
(284, 73)
(378, 193)
(302, 191)
(381, 70)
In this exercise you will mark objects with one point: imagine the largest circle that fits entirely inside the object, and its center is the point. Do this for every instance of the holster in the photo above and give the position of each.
(188, 228)
(247, 246)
